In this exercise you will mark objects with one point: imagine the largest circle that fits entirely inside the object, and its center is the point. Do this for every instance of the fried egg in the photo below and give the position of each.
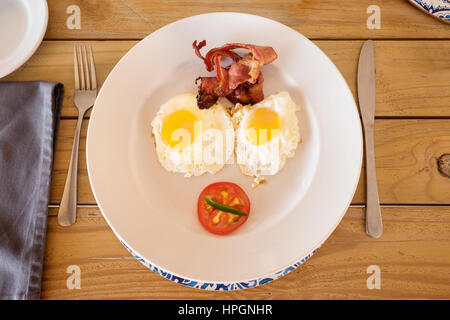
(190, 140)
(267, 134)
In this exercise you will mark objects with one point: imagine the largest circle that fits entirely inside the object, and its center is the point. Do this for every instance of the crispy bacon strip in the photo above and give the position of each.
(197, 48)
(219, 51)
(206, 96)
(248, 93)
(245, 70)
(209, 58)
(240, 82)
(264, 54)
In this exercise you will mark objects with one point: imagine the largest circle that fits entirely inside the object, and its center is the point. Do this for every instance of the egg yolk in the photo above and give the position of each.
(263, 125)
(171, 133)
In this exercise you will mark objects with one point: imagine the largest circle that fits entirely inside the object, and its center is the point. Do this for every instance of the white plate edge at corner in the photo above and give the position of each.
(18, 63)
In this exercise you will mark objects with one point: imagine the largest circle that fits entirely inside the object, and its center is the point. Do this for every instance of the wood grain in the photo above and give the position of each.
(326, 19)
(412, 77)
(412, 255)
(53, 61)
(406, 151)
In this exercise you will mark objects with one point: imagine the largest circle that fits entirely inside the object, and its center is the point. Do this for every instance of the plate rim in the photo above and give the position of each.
(258, 280)
(13, 67)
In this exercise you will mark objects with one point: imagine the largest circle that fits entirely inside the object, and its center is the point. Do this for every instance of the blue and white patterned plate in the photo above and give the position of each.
(153, 212)
(219, 286)
(437, 8)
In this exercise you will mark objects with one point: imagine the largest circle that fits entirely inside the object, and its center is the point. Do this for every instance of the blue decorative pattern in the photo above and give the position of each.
(218, 286)
(438, 8)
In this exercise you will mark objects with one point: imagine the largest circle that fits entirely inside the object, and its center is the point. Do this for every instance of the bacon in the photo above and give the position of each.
(245, 70)
(206, 96)
(264, 54)
(209, 58)
(248, 93)
(241, 82)
(223, 88)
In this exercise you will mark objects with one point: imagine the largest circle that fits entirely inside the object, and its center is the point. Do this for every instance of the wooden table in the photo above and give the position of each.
(412, 137)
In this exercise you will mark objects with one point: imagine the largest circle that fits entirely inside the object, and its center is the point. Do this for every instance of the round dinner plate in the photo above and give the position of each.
(22, 28)
(153, 212)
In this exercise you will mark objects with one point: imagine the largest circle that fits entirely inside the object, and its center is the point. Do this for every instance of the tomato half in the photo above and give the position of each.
(220, 222)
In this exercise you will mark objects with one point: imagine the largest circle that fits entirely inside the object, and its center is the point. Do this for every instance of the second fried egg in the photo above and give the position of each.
(267, 134)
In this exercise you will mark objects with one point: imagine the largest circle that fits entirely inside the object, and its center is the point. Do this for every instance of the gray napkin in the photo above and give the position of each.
(29, 116)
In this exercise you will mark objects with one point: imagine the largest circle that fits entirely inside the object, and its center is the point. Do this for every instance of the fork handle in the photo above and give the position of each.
(67, 213)
(374, 226)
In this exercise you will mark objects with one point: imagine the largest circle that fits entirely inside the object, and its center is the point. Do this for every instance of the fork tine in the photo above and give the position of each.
(86, 69)
(81, 69)
(93, 76)
(75, 68)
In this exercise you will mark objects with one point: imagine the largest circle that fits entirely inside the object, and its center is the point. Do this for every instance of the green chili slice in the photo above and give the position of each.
(224, 207)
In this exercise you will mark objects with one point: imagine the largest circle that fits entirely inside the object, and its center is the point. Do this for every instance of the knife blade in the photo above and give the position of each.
(366, 97)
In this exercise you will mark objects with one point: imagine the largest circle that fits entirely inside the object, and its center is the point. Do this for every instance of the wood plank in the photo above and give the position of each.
(412, 79)
(326, 19)
(412, 255)
(406, 156)
(412, 76)
(53, 61)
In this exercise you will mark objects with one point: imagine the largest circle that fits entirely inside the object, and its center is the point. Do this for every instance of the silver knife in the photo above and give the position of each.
(366, 96)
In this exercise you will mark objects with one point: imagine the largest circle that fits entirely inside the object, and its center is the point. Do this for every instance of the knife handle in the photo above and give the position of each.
(374, 226)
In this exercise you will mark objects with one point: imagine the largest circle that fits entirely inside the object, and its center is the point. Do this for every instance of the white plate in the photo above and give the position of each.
(22, 28)
(153, 212)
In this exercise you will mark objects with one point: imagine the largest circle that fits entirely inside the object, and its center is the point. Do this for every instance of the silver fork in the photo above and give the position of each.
(84, 98)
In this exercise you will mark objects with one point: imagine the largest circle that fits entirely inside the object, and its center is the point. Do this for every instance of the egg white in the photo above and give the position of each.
(215, 122)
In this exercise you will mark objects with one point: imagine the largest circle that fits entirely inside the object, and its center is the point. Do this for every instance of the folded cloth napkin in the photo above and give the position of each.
(29, 116)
